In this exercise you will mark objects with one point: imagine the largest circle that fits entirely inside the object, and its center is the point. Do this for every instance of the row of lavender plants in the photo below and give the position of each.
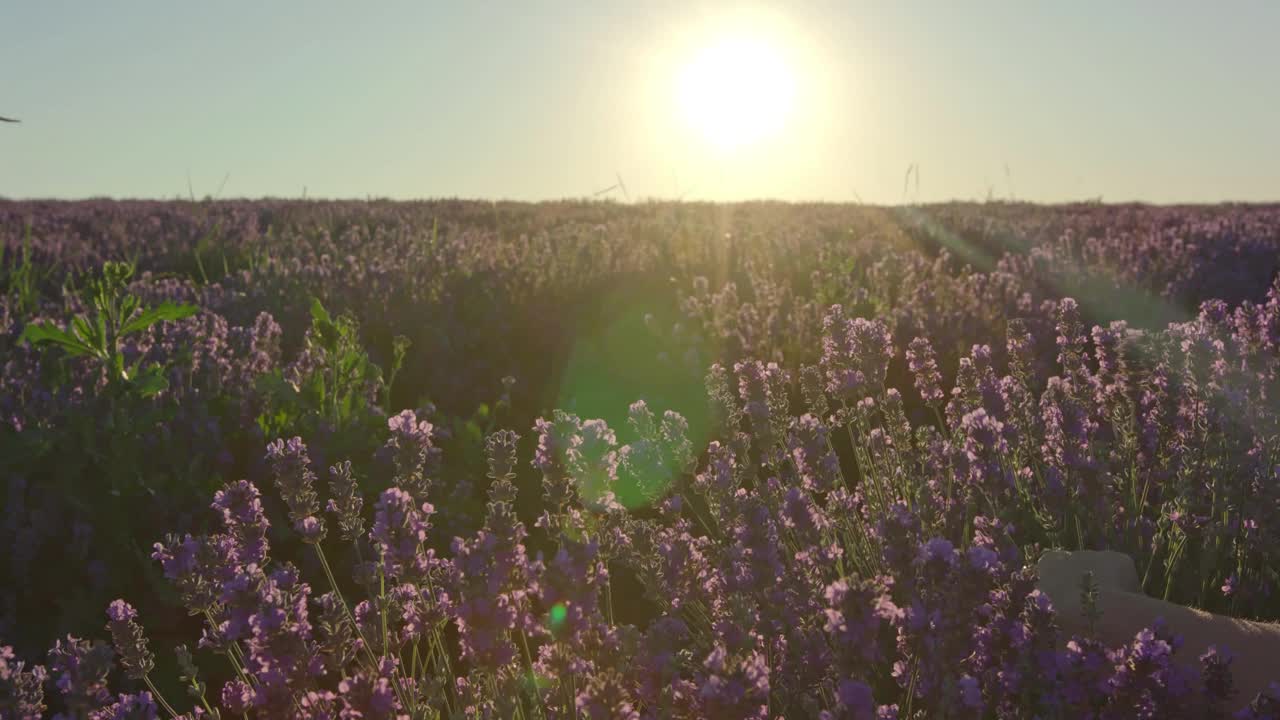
(782, 581)
(1157, 443)
(469, 281)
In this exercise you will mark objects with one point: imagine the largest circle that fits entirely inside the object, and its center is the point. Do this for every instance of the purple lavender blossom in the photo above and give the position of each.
(810, 448)
(412, 453)
(924, 367)
(370, 696)
(192, 565)
(1215, 673)
(500, 454)
(399, 530)
(290, 464)
(21, 690)
(129, 707)
(762, 389)
(130, 642)
(346, 501)
(79, 671)
(241, 507)
(855, 355)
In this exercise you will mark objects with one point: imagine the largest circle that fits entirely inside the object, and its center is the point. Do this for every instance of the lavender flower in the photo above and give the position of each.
(129, 707)
(346, 501)
(555, 438)
(762, 388)
(369, 695)
(21, 690)
(813, 390)
(79, 671)
(1071, 339)
(1215, 673)
(412, 452)
(855, 354)
(291, 466)
(593, 463)
(237, 697)
(241, 507)
(130, 642)
(192, 565)
(924, 367)
(725, 411)
(500, 453)
(399, 530)
(810, 448)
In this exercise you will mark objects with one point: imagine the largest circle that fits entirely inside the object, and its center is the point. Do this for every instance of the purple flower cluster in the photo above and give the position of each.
(21, 690)
(129, 640)
(291, 466)
(398, 534)
(772, 598)
(412, 453)
(855, 355)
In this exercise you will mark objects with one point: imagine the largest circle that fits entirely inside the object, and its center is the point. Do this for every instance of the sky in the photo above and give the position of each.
(1156, 101)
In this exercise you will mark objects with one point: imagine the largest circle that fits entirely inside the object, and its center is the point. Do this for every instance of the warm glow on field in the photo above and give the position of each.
(736, 91)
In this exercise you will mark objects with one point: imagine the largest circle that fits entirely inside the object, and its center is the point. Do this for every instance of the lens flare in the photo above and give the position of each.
(558, 615)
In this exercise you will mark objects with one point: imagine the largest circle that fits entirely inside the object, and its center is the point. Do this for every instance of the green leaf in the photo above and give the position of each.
(129, 306)
(88, 336)
(318, 313)
(164, 312)
(151, 382)
(41, 333)
(117, 366)
(327, 331)
(204, 277)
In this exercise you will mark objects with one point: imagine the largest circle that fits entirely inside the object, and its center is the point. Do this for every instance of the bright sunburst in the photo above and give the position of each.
(736, 92)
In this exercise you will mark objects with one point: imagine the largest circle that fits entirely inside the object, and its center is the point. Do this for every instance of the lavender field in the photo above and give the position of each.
(463, 459)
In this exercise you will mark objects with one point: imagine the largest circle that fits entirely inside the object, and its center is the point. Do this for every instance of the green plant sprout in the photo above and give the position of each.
(114, 314)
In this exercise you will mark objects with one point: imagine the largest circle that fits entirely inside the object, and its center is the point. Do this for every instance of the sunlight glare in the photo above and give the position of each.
(736, 92)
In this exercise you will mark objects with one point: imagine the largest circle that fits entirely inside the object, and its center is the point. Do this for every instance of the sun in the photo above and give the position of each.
(736, 92)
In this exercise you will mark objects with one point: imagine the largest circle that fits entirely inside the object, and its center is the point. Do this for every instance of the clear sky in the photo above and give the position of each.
(1159, 101)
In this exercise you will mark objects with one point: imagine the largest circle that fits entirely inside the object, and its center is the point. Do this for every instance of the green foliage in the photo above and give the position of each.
(399, 349)
(334, 383)
(115, 315)
(466, 436)
(114, 450)
(203, 246)
(20, 281)
(107, 435)
(831, 287)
